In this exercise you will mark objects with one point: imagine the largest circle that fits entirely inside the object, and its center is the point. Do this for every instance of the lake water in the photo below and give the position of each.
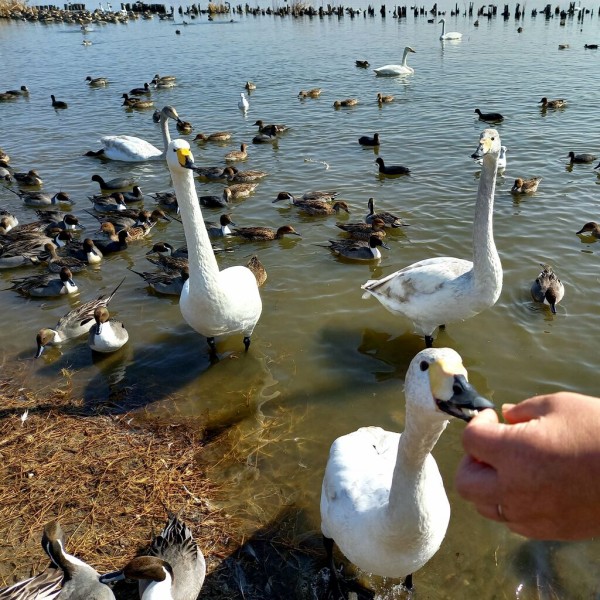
(323, 361)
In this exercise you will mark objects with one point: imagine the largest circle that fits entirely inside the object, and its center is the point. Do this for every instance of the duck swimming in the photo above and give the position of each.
(491, 117)
(31, 178)
(58, 104)
(364, 231)
(592, 228)
(556, 103)
(440, 290)
(217, 136)
(585, 157)
(389, 219)
(213, 302)
(168, 284)
(548, 288)
(118, 183)
(240, 154)
(383, 501)
(358, 250)
(96, 81)
(365, 140)
(106, 335)
(525, 186)
(264, 233)
(46, 285)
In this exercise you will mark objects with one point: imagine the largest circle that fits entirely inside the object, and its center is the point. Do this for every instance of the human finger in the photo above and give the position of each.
(529, 409)
(483, 438)
(477, 482)
(494, 512)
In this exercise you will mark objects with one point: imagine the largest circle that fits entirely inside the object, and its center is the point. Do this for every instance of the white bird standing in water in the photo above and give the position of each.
(213, 302)
(383, 501)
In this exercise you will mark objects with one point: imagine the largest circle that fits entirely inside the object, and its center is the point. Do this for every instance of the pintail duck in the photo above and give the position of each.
(162, 85)
(184, 127)
(391, 169)
(106, 335)
(383, 501)
(57, 262)
(241, 190)
(42, 199)
(270, 128)
(164, 78)
(217, 136)
(45, 285)
(85, 251)
(384, 98)
(167, 283)
(364, 231)
(45, 586)
(58, 104)
(4, 97)
(217, 201)
(366, 140)
(111, 246)
(211, 173)
(222, 229)
(96, 81)
(141, 230)
(258, 269)
(525, 186)
(75, 323)
(250, 86)
(114, 202)
(265, 138)
(6, 175)
(167, 200)
(12, 221)
(491, 117)
(21, 253)
(80, 581)
(312, 93)
(118, 183)
(168, 258)
(54, 221)
(264, 233)
(246, 176)
(316, 196)
(141, 91)
(322, 207)
(592, 228)
(358, 250)
(136, 195)
(31, 178)
(585, 157)
(175, 568)
(388, 218)
(556, 103)
(140, 103)
(346, 102)
(548, 288)
(240, 154)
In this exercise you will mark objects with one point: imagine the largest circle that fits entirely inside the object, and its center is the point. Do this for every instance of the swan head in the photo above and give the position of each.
(408, 49)
(489, 143)
(169, 112)
(179, 156)
(436, 383)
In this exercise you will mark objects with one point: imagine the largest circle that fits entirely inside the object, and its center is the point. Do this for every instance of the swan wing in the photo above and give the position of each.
(129, 148)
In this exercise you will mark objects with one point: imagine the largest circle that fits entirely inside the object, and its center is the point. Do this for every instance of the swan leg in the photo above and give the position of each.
(212, 345)
(334, 582)
(429, 341)
(408, 582)
(247, 342)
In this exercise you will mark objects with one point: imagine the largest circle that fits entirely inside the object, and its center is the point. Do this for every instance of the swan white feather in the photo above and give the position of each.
(451, 35)
(212, 302)
(134, 149)
(437, 291)
(383, 500)
(393, 70)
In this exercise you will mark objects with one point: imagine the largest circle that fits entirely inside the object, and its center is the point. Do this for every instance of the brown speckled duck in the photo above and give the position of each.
(525, 186)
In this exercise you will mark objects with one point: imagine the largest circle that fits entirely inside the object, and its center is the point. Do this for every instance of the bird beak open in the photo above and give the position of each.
(465, 402)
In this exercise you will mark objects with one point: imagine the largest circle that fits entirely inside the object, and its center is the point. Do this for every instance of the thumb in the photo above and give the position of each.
(529, 409)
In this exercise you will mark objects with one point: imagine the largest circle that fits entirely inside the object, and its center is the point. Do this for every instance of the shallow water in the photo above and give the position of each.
(323, 361)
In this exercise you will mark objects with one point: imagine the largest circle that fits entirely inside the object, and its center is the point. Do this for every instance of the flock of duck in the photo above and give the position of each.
(383, 501)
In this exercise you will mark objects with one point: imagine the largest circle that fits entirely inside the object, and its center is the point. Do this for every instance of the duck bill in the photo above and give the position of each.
(466, 402)
(40, 350)
(478, 153)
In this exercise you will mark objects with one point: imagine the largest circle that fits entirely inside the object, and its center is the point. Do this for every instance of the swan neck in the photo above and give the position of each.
(166, 135)
(404, 58)
(204, 269)
(486, 262)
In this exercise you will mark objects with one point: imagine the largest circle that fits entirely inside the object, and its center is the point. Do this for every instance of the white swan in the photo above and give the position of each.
(451, 35)
(134, 149)
(383, 500)
(393, 70)
(243, 103)
(440, 290)
(212, 302)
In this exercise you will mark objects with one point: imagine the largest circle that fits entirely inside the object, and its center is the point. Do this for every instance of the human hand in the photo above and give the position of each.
(540, 472)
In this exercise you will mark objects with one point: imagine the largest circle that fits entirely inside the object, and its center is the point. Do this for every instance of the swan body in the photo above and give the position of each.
(451, 35)
(128, 148)
(439, 290)
(394, 70)
(243, 103)
(548, 288)
(383, 500)
(213, 302)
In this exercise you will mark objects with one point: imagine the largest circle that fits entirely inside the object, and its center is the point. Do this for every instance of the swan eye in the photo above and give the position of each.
(424, 365)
